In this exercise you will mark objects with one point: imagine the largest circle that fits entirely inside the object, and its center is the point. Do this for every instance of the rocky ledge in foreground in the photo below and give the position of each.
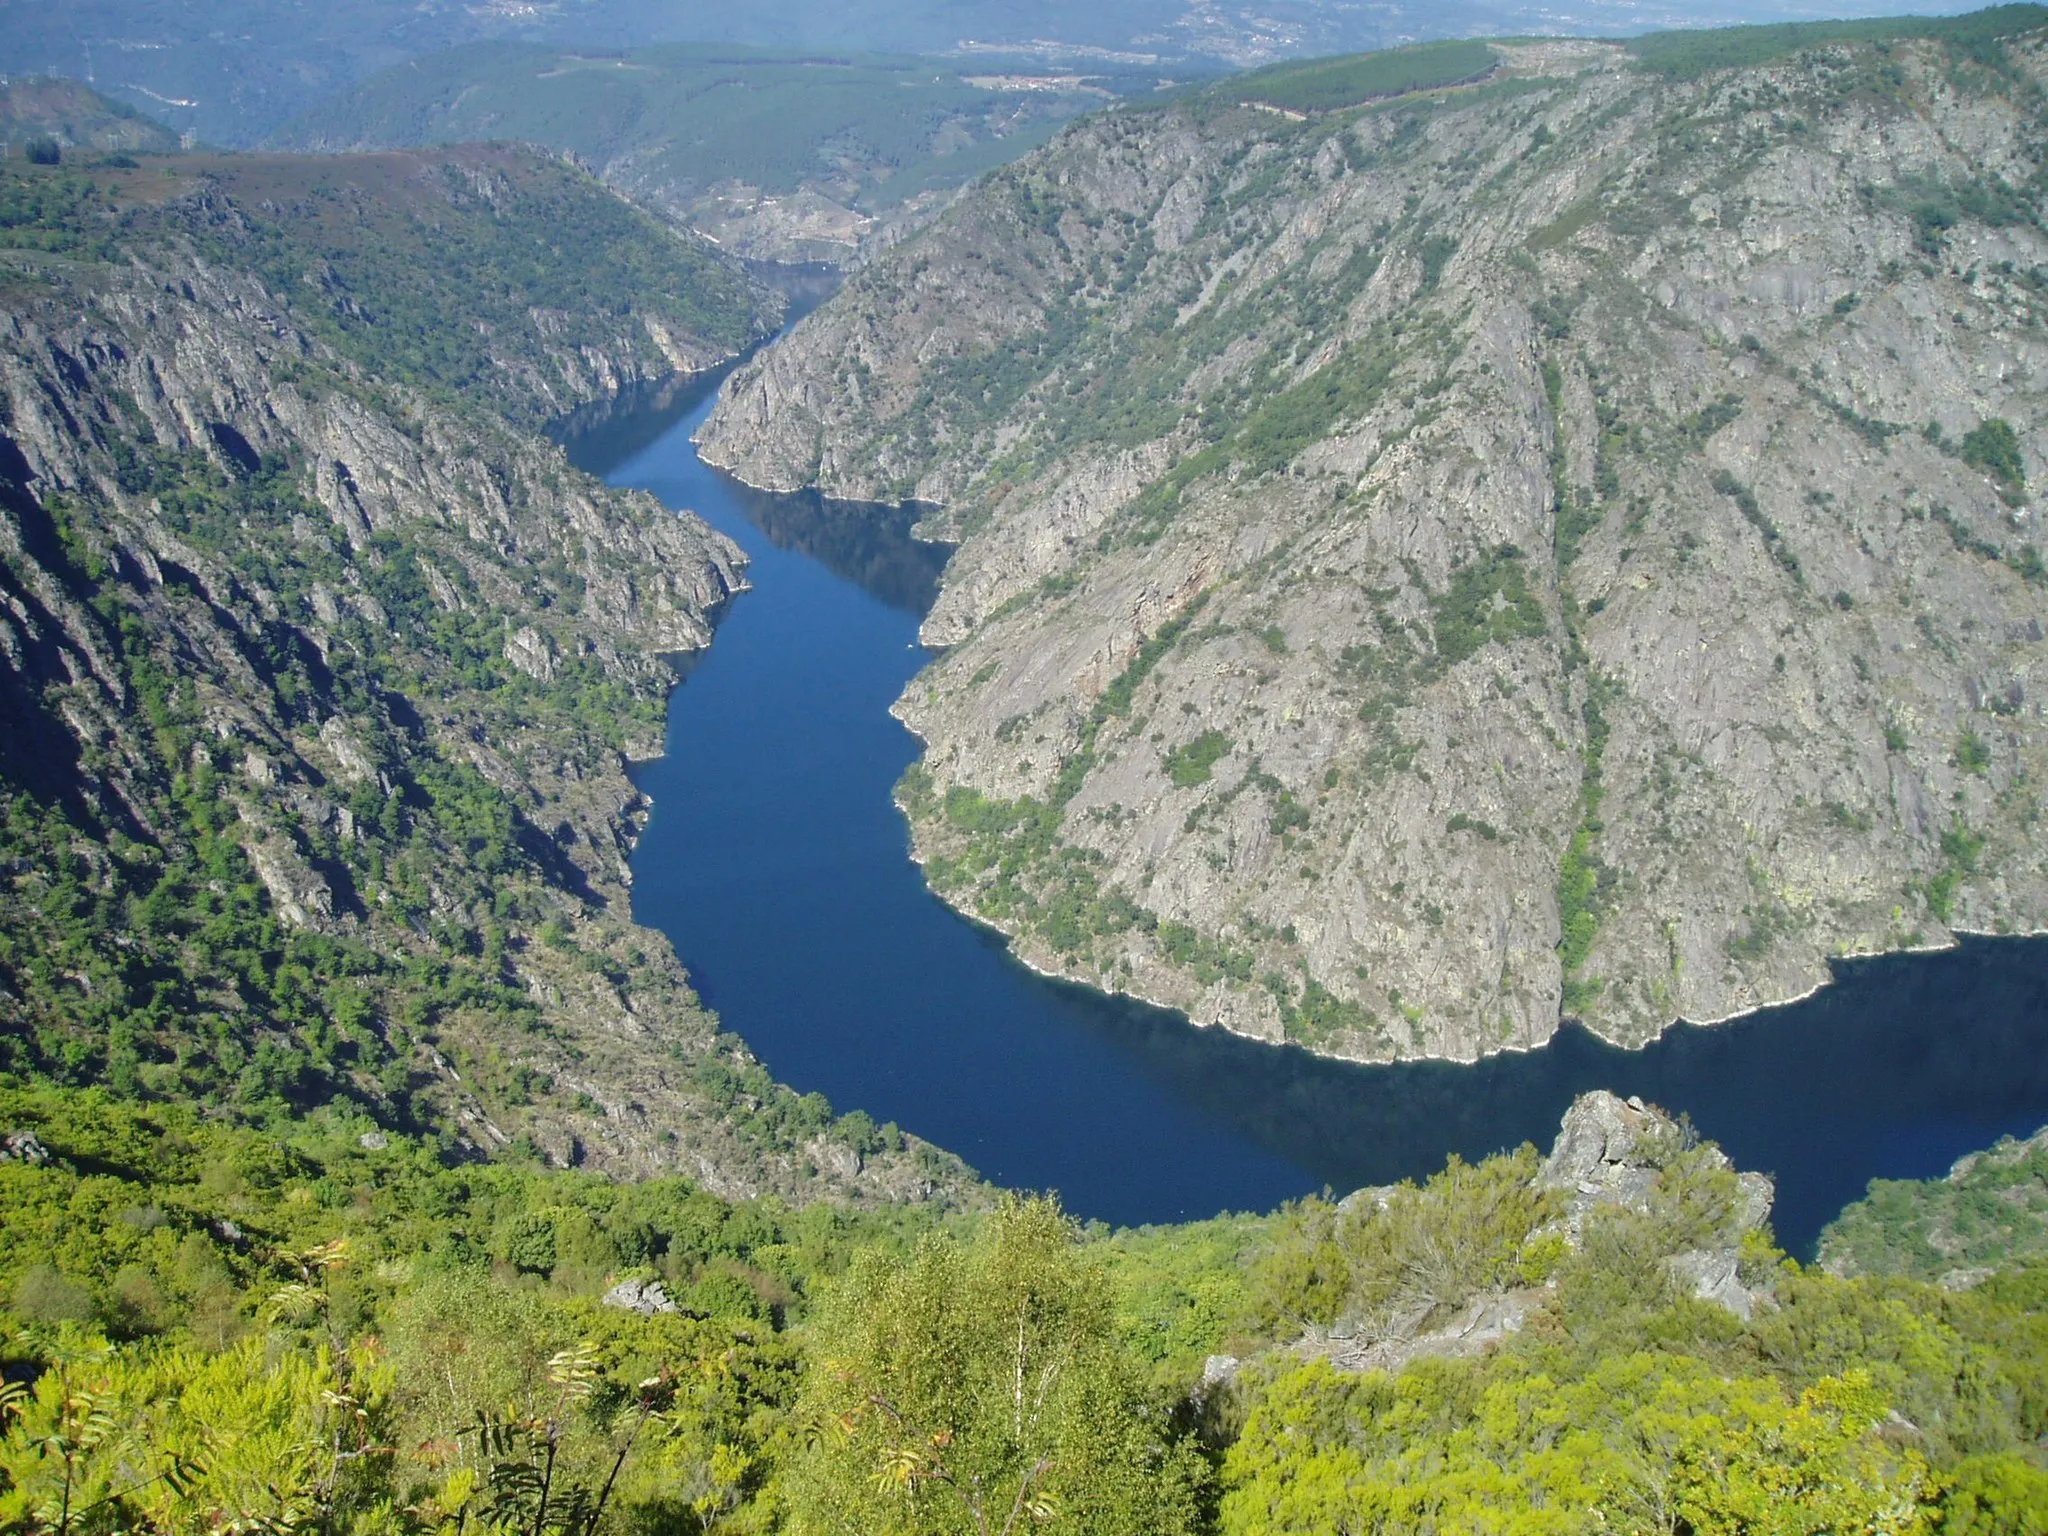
(1619, 1170)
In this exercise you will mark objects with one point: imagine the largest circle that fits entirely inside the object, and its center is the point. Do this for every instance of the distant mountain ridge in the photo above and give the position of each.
(778, 155)
(234, 71)
(76, 117)
(1565, 544)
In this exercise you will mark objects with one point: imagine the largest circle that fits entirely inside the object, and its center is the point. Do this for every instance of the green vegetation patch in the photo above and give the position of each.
(1328, 85)
(1994, 448)
(1192, 762)
(1687, 55)
(1991, 1211)
(324, 1333)
(1487, 601)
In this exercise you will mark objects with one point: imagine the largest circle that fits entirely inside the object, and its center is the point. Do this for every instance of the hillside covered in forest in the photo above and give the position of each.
(326, 1332)
(1386, 487)
(779, 156)
(322, 666)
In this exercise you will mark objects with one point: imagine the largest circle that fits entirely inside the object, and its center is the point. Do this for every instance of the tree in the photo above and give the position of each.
(977, 1389)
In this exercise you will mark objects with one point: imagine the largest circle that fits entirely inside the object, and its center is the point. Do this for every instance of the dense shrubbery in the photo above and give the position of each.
(1992, 1210)
(326, 1333)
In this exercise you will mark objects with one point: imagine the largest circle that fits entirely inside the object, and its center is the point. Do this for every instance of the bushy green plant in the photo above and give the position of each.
(979, 1387)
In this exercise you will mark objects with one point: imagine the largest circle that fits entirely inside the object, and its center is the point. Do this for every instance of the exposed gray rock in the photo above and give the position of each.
(1711, 1274)
(23, 1147)
(1235, 416)
(1486, 1321)
(647, 1297)
(530, 651)
(1965, 1279)
(1609, 1150)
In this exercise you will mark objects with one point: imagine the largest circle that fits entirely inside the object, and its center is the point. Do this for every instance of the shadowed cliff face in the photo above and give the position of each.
(320, 680)
(1562, 546)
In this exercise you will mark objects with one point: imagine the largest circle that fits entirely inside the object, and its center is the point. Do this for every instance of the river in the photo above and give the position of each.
(779, 867)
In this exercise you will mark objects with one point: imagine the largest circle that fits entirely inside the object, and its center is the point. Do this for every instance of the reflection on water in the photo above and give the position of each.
(778, 865)
(870, 546)
(612, 431)
(608, 432)
(1904, 1064)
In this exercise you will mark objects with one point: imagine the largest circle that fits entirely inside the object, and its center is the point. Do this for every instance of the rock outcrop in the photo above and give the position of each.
(1610, 1152)
(646, 1297)
(1566, 546)
(1610, 1155)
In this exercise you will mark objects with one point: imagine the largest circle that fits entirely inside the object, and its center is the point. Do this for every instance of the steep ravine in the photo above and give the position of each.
(319, 686)
(1558, 547)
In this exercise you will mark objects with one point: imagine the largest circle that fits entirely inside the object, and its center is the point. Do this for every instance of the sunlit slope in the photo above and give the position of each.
(1558, 539)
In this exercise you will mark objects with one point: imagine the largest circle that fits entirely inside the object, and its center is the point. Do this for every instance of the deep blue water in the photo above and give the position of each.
(779, 867)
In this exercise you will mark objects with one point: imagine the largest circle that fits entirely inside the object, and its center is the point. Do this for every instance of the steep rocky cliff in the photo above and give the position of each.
(319, 679)
(1555, 545)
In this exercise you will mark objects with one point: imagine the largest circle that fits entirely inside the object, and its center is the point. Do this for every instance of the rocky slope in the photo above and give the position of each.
(319, 678)
(1560, 545)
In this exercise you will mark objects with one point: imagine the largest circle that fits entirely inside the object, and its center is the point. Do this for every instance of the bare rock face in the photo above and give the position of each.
(646, 1297)
(1484, 1322)
(1609, 1151)
(1567, 547)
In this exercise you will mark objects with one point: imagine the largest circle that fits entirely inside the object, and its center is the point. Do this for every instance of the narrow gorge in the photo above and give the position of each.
(322, 668)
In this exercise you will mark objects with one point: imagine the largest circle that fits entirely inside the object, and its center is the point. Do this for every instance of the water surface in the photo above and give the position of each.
(778, 865)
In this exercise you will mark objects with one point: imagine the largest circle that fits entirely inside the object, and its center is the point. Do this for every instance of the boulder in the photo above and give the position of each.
(647, 1297)
(23, 1147)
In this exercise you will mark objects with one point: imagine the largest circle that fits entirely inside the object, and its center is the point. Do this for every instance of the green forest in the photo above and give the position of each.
(324, 1327)
(140, 947)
